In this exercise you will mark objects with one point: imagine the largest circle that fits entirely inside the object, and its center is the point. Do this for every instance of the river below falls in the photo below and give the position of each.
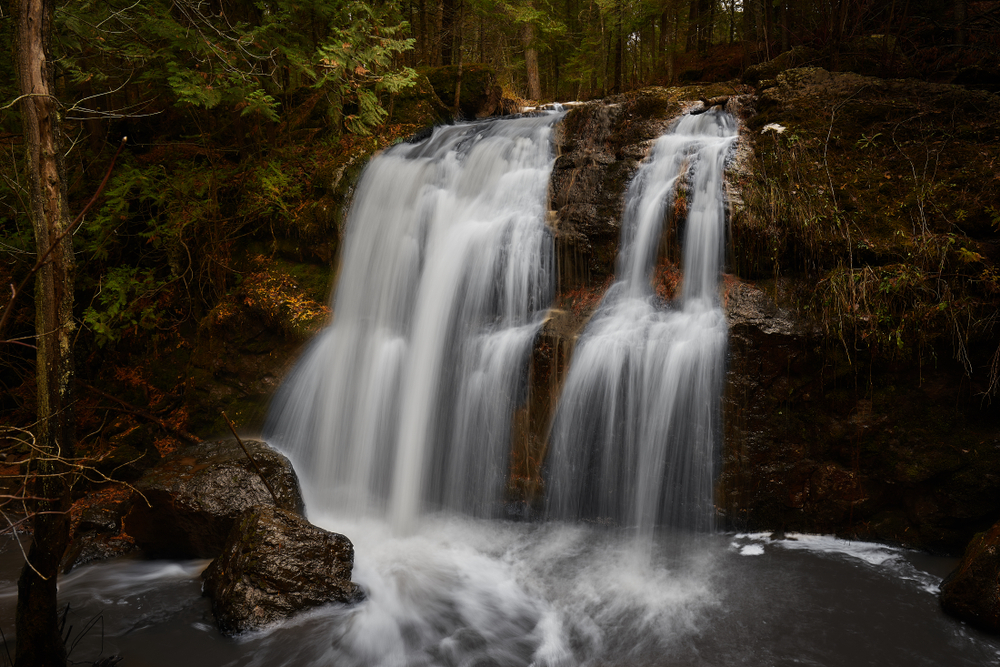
(475, 592)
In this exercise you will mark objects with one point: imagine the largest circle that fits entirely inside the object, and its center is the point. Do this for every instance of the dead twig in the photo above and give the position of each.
(139, 412)
(260, 472)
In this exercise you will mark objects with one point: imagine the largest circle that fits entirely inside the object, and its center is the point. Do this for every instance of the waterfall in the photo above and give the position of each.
(635, 436)
(404, 402)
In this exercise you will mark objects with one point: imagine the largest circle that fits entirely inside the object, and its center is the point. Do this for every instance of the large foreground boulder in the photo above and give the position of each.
(972, 591)
(276, 563)
(185, 507)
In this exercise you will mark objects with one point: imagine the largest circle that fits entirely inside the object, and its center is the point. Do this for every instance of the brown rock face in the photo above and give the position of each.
(186, 507)
(275, 563)
(972, 591)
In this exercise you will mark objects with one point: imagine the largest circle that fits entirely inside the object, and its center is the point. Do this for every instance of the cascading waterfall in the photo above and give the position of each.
(405, 400)
(446, 274)
(635, 436)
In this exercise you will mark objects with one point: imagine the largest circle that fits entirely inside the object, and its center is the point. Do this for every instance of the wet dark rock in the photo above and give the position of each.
(132, 451)
(98, 534)
(910, 465)
(420, 105)
(92, 546)
(185, 507)
(275, 563)
(972, 591)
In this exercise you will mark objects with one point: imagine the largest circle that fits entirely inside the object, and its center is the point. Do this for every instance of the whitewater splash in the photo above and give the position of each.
(405, 401)
(404, 405)
(636, 432)
(470, 591)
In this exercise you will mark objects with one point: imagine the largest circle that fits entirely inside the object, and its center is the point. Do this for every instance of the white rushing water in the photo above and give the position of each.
(467, 591)
(635, 437)
(404, 403)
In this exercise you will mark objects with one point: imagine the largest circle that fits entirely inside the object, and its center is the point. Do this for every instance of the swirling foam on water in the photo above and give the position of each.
(513, 594)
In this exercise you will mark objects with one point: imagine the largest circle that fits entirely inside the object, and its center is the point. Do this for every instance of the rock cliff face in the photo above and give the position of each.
(864, 216)
(864, 411)
(862, 295)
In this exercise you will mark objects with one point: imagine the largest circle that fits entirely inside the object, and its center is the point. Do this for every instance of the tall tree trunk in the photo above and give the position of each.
(422, 34)
(531, 62)
(447, 31)
(39, 643)
(692, 32)
(458, 50)
(706, 25)
(661, 40)
(839, 24)
(783, 6)
(619, 48)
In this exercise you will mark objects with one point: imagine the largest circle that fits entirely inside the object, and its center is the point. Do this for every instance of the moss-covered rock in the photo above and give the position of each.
(972, 591)
(420, 105)
(798, 56)
(477, 81)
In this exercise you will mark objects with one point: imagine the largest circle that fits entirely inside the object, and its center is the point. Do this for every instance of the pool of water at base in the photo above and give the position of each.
(478, 593)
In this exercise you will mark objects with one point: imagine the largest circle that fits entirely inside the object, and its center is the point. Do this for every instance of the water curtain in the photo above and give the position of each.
(636, 434)
(404, 402)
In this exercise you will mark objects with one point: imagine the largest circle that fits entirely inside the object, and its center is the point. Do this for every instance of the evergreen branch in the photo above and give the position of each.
(69, 230)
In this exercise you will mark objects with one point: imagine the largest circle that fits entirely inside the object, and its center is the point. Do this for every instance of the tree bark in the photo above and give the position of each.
(619, 48)
(39, 643)
(458, 49)
(531, 62)
(447, 31)
(692, 29)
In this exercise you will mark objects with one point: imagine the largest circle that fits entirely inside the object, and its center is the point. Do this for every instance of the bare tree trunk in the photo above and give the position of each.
(619, 48)
(661, 40)
(706, 25)
(840, 20)
(447, 31)
(783, 6)
(422, 33)
(39, 643)
(531, 62)
(693, 22)
(458, 49)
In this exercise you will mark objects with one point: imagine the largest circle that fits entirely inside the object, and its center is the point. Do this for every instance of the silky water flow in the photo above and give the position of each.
(397, 419)
(405, 401)
(636, 434)
(402, 407)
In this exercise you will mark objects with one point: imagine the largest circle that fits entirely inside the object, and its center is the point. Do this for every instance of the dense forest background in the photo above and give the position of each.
(244, 121)
(242, 117)
(206, 151)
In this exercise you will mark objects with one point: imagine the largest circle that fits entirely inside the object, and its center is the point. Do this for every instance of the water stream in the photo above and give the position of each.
(466, 591)
(636, 435)
(397, 419)
(404, 403)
